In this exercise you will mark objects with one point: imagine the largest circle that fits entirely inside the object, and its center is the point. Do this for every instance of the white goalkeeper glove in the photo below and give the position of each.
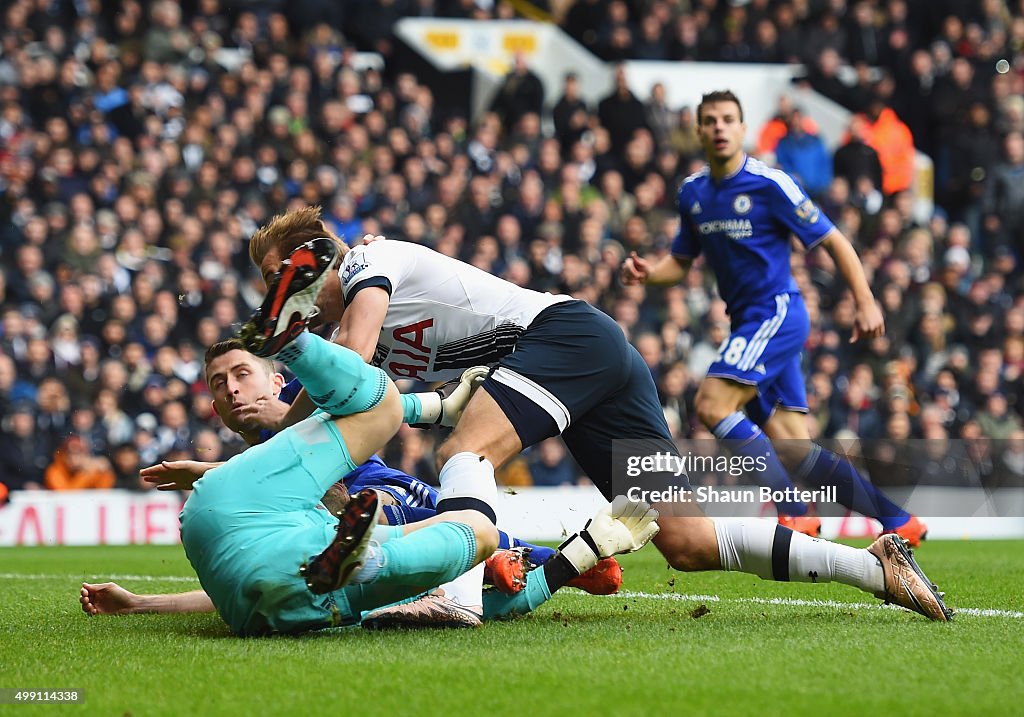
(621, 527)
(453, 405)
(445, 409)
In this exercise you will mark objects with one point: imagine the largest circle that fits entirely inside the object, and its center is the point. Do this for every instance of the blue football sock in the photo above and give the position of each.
(402, 514)
(505, 541)
(748, 440)
(825, 468)
(537, 554)
(336, 378)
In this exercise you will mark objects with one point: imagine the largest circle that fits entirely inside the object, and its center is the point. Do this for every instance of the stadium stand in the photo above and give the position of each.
(141, 144)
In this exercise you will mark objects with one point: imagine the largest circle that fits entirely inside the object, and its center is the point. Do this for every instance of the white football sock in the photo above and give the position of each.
(373, 562)
(773, 552)
(467, 589)
(467, 483)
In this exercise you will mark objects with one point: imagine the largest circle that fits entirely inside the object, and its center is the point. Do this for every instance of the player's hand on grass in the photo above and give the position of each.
(454, 404)
(176, 475)
(622, 527)
(635, 270)
(265, 412)
(868, 323)
(107, 599)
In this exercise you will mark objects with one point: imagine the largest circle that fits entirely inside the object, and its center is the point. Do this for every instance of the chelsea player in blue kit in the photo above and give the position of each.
(739, 213)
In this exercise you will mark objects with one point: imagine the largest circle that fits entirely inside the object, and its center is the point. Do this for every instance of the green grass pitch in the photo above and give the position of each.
(761, 648)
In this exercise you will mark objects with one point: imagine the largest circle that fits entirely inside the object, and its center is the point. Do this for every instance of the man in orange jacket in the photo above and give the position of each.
(891, 138)
(73, 468)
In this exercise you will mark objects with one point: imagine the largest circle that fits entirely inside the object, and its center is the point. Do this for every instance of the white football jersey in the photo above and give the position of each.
(444, 315)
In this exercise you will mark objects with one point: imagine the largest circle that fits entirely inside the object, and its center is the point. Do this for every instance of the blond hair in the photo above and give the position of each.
(286, 231)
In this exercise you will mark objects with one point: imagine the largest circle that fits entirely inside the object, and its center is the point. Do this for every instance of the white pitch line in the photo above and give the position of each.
(105, 578)
(797, 602)
(677, 597)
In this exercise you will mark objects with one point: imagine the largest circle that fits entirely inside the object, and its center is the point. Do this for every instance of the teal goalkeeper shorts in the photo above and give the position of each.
(250, 523)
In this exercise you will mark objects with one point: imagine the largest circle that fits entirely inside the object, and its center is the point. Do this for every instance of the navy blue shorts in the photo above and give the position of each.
(573, 373)
(764, 350)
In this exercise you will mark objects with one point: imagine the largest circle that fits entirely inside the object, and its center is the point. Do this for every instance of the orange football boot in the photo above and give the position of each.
(913, 531)
(806, 524)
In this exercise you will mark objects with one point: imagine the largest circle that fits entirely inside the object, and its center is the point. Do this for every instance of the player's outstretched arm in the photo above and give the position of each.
(176, 475)
(362, 321)
(621, 527)
(869, 321)
(670, 269)
(112, 599)
(445, 405)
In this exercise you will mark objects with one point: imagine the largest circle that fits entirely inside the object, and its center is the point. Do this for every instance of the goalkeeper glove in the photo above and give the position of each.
(444, 406)
(621, 527)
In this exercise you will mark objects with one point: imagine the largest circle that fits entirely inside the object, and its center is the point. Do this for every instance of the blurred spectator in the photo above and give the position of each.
(621, 113)
(863, 41)
(53, 416)
(1003, 204)
(855, 412)
(995, 419)
(522, 92)
(856, 159)
(824, 77)
(1010, 467)
(778, 126)
(570, 113)
(804, 156)
(23, 458)
(550, 464)
(415, 455)
(126, 464)
(13, 388)
(684, 139)
(74, 468)
(889, 136)
(974, 152)
(660, 119)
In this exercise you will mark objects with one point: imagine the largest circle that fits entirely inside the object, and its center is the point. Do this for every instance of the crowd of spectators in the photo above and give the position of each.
(141, 144)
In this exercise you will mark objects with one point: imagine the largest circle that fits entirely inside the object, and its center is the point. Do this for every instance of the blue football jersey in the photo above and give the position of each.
(742, 225)
(375, 473)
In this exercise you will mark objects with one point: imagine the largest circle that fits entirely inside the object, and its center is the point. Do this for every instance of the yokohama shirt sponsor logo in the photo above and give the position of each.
(733, 228)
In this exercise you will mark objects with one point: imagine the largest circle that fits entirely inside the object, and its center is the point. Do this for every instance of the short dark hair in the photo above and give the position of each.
(228, 345)
(718, 96)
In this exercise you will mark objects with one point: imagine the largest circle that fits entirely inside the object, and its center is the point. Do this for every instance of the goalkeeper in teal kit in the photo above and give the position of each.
(270, 560)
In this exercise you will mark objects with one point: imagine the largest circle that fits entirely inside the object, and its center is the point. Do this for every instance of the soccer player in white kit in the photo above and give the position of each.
(563, 367)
